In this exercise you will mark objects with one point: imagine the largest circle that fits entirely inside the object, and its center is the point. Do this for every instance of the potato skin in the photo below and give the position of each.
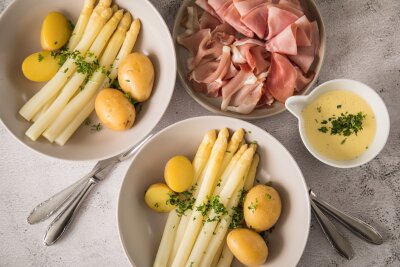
(247, 246)
(179, 173)
(55, 31)
(157, 196)
(262, 207)
(114, 110)
(40, 66)
(136, 76)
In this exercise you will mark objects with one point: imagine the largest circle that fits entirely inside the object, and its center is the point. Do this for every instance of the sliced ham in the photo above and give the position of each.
(257, 20)
(231, 72)
(244, 6)
(192, 22)
(260, 58)
(302, 81)
(206, 7)
(291, 7)
(232, 16)
(242, 54)
(306, 54)
(195, 41)
(207, 21)
(213, 71)
(282, 77)
(245, 100)
(278, 20)
(244, 77)
(304, 31)
(284, 42)
(220, 7)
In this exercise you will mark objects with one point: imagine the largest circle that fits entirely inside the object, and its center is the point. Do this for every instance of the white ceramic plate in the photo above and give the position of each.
(213, 104)
(20, 27)
(141, 229)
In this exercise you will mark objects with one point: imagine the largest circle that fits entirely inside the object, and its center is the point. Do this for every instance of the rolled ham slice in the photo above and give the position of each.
(232, 17)
(257, 20)
(278, 20)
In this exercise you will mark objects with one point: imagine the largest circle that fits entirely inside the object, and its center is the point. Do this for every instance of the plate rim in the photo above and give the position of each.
(212, 117)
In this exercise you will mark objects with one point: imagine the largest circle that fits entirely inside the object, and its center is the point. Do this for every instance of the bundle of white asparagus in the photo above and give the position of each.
(223, 169)
(103, 36)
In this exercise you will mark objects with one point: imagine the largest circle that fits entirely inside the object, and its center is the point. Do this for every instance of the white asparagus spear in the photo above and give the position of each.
(217, 256)
(206, 189)
(75, 81)
(45, 107)
(222, 228)
(185, 219)
(95, 82)
(236, 180)
(114, 7)
(233, 145)
(33, 105)
(81, 24)
(127, 46)
(199, 162)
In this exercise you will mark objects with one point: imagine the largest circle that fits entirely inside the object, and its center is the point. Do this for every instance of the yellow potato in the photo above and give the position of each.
(55, 31)
(40, 67)
(114, 110)
(179, 173)
(136, 76)
(262, 207)
(247, 246)
(157, 197)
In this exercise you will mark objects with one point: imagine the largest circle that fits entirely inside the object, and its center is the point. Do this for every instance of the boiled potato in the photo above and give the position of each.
(179, 173)
(247, 246)
(40, 67)
(157, 197)
(136, 76)
(262, 207)
(114, 109)
(55, 31)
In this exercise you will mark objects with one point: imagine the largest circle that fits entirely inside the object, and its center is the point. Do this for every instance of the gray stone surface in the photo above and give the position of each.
(363, 44)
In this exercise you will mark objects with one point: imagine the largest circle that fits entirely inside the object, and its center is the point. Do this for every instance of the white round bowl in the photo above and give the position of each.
(214, 104)
(141, 229)
(296, 104)
(20, 27)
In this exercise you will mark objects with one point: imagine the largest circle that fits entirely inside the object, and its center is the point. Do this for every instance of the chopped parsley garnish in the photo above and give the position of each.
(214, 205)
(319, 109)
(88, 121)
(344, 125)
(156, 205)
(40, 57)
(96, 127)
(253, 206)
(183, 201)
(237, 216)
(128, 81)
(71, 25)
(268, 196)
(65, 71)
(339, 106)
(323, 129)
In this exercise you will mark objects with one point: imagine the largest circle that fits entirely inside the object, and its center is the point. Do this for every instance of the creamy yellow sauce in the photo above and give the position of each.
(338, 147)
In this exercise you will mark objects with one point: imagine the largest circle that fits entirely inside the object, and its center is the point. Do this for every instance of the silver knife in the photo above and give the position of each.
(48, 207)
(60, 224)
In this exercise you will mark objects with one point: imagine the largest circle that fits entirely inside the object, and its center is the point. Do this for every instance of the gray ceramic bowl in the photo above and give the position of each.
(213, 104)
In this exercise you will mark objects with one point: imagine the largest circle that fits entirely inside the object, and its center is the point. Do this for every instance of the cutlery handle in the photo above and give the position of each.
(337, 240)
(355, 225)
(58, 227)
(45, 209)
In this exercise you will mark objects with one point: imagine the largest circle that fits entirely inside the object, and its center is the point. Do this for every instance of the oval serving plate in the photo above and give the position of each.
(213, 104)
(140, 228)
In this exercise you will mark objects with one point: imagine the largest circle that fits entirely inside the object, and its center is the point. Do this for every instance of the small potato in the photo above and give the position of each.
(262, 207)
(114, 110)
(157, 197)
(40, 67)
(55, 31)
(179, 173)
(247, 246)
(136, 76)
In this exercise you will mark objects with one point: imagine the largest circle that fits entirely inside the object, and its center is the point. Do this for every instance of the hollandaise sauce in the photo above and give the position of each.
(339, 124)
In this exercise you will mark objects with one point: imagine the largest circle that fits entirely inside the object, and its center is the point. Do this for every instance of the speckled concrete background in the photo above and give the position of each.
(363, 44)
